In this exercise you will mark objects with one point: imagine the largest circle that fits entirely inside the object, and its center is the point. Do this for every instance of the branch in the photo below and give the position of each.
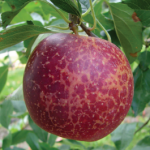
(88, 32)
(75, 22)
(142, 126)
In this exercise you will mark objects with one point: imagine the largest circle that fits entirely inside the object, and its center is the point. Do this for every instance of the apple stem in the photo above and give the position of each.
(57, 10)
(107, 34)
(84, 14)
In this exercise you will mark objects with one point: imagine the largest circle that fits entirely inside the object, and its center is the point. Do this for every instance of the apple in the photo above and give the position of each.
(77, 87)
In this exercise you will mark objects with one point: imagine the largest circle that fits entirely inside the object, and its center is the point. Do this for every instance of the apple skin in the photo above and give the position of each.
(77, 87)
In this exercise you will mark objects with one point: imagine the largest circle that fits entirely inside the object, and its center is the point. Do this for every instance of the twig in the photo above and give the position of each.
(88, 32)
(142, 126)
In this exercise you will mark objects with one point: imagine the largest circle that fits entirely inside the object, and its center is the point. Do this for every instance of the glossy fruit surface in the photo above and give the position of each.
(77, 87)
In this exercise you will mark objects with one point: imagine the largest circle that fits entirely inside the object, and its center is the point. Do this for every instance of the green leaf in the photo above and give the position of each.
(68, 6)
(114, 37)
(14, 148)
(98, 8)
(52, 139)
(17, 4)
(18, 47)
(32, 141)
(105, 147)
(6, 110)
(141, 90)
(146, 34)
(16, 7)
(123, 135)
(17, 94)
(107, 23)
(79, 7)
(64, 147)
(144, 16)
(144, 144)
(48, 11)
(142, 8)
(19, 106)
(85, 5)
(46, 146)
(20, 136)
(128, 31)
(19, 115)
(3, 76)
(144, 59)
(28, 44)
(135, 4)
(23, 57)
(7, 141)
(41, 134)
(18, 34)
(74, 142)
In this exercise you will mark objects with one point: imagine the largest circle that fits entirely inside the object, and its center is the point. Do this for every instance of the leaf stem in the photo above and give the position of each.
(142, 125)
(107, 34)
(62, 28)
(57, 10)
(93, 14)
(89, 9)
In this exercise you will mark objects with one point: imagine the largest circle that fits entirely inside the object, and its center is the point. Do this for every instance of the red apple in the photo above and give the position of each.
(77, 87)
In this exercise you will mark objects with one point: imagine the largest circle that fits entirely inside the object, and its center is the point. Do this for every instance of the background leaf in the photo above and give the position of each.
(6, 110)
(19, 106)
(17, 94)
(18, 34)
(74, 142)
(68, 6)
(32, 141)
(7, 141)
(142, 4)
(14, 148)
(17, 47)
(3, 76)
(142, 8)
(41, 134)
(85, 5)
(144, 144)
(20, 136)
(16, 4)
(51, 140)
(123, 135)
(141, 90)
(105, 147)
(46, 146)
(128, 31)
(16, 7)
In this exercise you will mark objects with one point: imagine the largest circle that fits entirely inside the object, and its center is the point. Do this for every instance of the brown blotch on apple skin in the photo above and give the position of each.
(77, 87)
